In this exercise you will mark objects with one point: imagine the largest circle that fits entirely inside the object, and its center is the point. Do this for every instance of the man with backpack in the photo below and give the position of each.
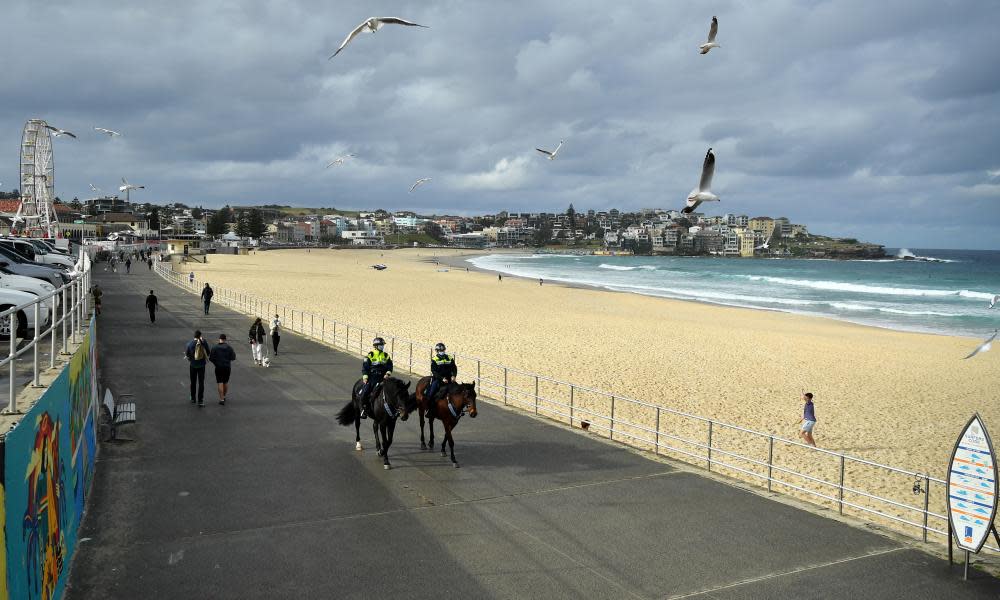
(197, 354)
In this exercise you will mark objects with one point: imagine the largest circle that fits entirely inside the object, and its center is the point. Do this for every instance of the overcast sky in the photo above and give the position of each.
(879, 120)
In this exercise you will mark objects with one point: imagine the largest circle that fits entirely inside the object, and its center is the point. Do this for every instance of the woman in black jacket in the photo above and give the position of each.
(257, 334)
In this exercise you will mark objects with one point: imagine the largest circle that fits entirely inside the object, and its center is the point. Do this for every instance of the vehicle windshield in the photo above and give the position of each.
(39, 247)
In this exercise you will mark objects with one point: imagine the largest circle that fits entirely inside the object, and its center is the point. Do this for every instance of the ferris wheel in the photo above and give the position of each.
(37, 181)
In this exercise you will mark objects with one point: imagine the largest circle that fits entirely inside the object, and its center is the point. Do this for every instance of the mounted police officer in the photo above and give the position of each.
(443, 370)
(376, 367)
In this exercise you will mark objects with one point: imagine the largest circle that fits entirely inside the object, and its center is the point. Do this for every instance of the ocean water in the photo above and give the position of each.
(944, 291)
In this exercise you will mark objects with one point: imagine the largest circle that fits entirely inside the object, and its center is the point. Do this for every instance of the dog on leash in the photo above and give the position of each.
(266, 362)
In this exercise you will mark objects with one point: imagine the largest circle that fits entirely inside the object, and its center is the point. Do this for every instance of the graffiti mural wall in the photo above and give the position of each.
(48, 464)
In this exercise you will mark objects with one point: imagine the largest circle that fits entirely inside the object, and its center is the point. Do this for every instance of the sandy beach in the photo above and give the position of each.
(891, 397)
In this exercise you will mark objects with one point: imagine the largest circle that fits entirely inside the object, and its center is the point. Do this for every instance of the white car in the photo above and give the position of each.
(30, 252)
(31, 285)
(25, 317)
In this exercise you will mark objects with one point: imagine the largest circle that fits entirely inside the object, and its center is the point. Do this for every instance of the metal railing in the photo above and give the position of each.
(833, 479)
(62, 316)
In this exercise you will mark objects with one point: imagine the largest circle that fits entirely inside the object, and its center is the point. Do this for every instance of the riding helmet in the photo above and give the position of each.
(378, 342)
(439, 347)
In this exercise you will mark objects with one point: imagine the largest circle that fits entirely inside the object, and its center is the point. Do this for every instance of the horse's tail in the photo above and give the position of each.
(348, 414)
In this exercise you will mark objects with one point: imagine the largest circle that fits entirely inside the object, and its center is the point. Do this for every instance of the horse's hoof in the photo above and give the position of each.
(443, 453)
(357, 446)
(386, 467)
(456, 465)
(423, 446)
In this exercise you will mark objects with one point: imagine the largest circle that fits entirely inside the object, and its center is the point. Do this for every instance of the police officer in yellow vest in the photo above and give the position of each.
(376, 367)
(443, 370)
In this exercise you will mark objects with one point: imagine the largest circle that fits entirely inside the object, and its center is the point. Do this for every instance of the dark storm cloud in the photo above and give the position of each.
(875, 119)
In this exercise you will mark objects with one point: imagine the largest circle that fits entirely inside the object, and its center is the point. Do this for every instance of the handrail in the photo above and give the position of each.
(66, 309)
(576, 409)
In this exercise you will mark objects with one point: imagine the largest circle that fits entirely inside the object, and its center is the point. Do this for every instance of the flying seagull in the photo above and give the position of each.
(60, 132)
(109, 132)
(711, 43)
(994, 301)
(129, 186)
(984, 346)
(766, 245)
(703, 193)
(372, 25)
(551, 155)
(419, 182)
(95, 189)
(339, 160)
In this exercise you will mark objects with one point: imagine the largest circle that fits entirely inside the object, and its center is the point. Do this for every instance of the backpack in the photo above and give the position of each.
(199, 350)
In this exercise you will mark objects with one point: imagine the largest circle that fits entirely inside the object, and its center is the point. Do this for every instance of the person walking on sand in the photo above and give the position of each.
(222, 356)
(499, 278)
(151, 304)
(197, 354)
(275, 333)
(808, 419)
(206, 296)
(257, 341)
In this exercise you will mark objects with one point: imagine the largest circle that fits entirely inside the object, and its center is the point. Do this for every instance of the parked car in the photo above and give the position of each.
(18, 265)
(48, 247)
(25, 318)
(28, 250)
(31, 285)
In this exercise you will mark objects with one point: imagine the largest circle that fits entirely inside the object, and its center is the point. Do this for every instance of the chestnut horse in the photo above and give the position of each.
(390, 401)
(453, 400)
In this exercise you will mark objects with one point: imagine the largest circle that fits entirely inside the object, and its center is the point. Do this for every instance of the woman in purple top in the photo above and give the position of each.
(808, 419)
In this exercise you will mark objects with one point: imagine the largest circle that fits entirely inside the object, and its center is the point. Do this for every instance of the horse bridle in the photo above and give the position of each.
(464, 408)
(385, 404)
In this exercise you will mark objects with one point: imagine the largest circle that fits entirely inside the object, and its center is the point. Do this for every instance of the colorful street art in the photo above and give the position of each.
(48, 464)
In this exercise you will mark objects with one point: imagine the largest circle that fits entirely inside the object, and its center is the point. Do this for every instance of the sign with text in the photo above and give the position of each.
(972, 486)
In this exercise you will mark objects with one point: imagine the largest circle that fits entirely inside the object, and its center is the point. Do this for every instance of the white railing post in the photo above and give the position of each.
(927, 500)
(710, 445)
(536, 394)
(656, 449)
(34, 378)
(770, 459)
(65, 349)
(612, 435)
(840, 489)
(15, 323)
(72, 312)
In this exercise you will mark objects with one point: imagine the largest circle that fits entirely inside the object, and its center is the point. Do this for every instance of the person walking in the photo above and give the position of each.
(97, 293)
(808, 419)
(222, 356)
(275, 333)
(128, 265)
(149, 261)
(197, 354)
(206, 296)
(191, 277)
(151, 304)
(257, 341)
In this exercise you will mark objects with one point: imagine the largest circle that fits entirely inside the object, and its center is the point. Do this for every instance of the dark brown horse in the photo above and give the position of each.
(453, 400)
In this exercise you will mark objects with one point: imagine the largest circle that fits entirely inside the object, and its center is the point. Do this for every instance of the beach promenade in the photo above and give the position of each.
(266, 497)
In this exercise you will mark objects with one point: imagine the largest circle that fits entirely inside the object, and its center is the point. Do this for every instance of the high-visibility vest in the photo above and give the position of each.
(441, 360)
(378, 358)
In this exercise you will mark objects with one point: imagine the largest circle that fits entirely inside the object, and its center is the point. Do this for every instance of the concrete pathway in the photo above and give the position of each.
(266, 498)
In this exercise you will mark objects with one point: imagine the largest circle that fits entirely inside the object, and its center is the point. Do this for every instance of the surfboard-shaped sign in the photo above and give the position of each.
(972, 486)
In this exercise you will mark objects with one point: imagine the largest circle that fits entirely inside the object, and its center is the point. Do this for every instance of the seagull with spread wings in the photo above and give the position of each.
(703, 193)
(551, 155)
(107, 132)
(60, 132)
(711, 43)
(129, 186)
(766, 245)
(984, 346)
(372, 25)
(95, 189)
(993, 302)
(339, 160)
(418, 183)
